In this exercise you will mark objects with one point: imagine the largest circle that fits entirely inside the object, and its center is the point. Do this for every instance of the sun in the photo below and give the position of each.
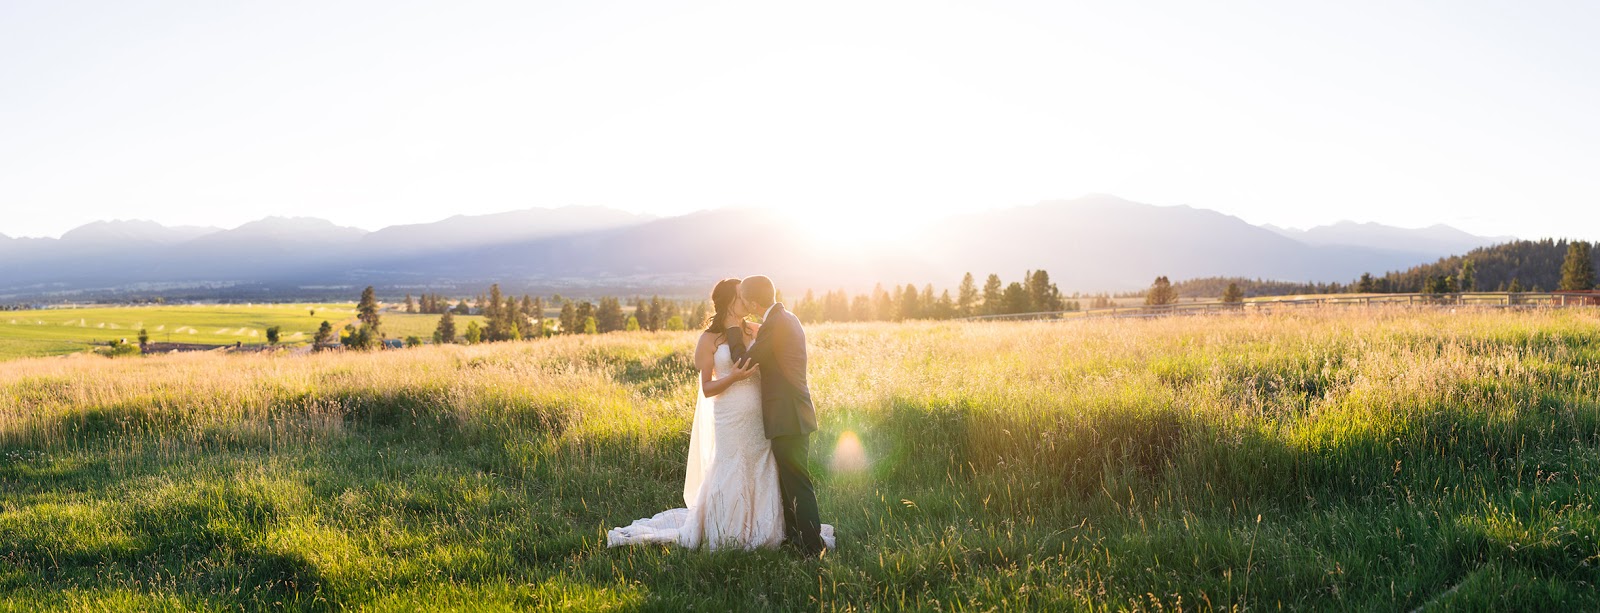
(865, 227)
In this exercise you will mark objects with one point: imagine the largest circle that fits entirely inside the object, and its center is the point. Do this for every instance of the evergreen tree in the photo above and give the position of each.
(324, 334)
(462, 308)
(1515, 287)
(1365, 286)
(698, 315)
(516, 323)
(411, 307)
(861, 308)
(1577, 272)
(537, 313)
(569, 318)
(1016, 299)
(994, 299)
(584, 313)
(945, 308)
(608, 316)
(1234, 295)
(910, 304)
(474, 333)
(661, 310)
(656, 316)
(675, 323)
(144, 338)
(497, 326)
(809, 310)
(589, 325)
(1469, 276)
(1045, 295)
(367, 309)
(1440, 284)
(967, 297)
(1161, 292)
(273, 333)
(633, 324)
(445, 332)
(836, 306)
(883, 306)
(367, 312)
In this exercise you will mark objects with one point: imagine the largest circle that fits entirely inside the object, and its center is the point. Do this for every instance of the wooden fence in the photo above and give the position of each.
(1501, 300)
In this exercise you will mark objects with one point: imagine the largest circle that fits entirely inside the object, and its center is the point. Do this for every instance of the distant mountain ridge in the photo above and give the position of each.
(1093, 243)
(135, 230)
(1437, 238)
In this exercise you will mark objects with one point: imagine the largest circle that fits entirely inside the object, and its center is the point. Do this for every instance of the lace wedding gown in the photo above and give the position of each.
(732, 482)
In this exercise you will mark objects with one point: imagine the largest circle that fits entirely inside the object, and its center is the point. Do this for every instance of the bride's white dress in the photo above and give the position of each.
(731, 487)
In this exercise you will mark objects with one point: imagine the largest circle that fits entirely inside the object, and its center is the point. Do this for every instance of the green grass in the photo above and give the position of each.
(1324, 460)
(52, 332)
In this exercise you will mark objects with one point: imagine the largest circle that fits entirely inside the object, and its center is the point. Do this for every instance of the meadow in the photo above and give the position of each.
(49, 332)
(1322, 459)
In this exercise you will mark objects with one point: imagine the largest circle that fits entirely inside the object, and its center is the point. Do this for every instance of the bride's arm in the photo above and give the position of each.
(705, 358)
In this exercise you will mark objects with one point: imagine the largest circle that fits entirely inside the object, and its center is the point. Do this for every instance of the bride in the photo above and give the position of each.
(731, 487)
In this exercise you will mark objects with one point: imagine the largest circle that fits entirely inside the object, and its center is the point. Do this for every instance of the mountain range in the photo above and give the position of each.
(1093, 243)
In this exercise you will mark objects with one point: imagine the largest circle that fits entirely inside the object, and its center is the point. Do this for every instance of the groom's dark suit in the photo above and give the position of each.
(786, 411)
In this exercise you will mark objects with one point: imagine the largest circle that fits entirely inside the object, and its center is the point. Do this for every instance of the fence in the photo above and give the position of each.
(1474, 299)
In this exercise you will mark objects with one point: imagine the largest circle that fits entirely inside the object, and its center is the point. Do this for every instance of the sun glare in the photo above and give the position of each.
(861, 228)
(849, 456)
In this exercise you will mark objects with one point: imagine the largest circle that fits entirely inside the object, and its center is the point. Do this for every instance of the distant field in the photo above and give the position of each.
(61, 331)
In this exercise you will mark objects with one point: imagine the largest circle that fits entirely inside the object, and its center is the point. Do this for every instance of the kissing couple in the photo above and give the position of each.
(748, 484)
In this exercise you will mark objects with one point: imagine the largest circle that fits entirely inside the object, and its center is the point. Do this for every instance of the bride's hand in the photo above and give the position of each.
(743, 370)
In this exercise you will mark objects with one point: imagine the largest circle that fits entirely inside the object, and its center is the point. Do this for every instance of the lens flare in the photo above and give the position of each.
(849, 456)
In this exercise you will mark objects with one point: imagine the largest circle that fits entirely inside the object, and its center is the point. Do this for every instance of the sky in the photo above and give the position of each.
(1473, 114)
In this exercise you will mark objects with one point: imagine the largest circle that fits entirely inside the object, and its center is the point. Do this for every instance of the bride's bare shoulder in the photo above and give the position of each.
(709, 339)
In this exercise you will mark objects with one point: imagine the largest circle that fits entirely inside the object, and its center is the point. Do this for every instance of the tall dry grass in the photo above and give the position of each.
(1332, 459)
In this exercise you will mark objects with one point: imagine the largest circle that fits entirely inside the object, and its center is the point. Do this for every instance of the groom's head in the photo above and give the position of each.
(758, 291)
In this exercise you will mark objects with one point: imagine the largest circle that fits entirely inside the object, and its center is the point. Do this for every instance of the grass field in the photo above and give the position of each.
(1382, 459)
(62, 331)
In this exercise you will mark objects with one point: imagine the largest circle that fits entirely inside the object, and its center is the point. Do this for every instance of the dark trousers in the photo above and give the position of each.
(802, 522)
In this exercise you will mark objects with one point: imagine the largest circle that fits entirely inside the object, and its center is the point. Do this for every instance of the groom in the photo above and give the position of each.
(780, 351)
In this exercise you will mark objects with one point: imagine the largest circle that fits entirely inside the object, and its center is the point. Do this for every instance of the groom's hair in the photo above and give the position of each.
(758, 289)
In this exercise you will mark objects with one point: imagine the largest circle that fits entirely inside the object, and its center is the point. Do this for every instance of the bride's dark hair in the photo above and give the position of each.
(722, 297)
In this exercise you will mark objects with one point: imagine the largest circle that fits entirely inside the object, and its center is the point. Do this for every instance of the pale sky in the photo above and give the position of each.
(1485, 116)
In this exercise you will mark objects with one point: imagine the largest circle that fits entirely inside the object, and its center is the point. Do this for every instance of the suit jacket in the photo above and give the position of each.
(780, 351)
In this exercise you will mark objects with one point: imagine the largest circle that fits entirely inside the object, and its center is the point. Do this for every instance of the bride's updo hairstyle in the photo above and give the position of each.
(722, 297)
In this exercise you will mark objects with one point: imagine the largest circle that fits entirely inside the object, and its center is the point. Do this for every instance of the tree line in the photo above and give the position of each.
(1033, 294)
(510, 318)
(1518, 266)
(507, 318)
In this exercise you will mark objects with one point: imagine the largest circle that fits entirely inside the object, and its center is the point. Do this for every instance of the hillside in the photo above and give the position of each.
(1094, 243)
